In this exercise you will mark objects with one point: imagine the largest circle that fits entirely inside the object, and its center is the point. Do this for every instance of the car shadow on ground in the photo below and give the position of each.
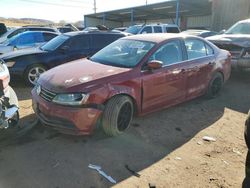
(56, 160)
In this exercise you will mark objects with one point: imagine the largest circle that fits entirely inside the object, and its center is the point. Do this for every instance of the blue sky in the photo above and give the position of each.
(56, 10)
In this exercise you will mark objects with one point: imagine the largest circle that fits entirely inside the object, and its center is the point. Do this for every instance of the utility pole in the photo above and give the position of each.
(146, 2)
(95, 6)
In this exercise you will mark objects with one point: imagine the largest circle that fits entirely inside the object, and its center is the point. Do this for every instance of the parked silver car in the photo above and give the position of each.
(26, 40)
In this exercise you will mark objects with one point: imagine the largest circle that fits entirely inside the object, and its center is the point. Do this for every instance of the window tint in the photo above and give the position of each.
(195, 48)
(38, 37)
(41, 29)
(168, 53)
(26, 39)
(157, 29)
(79, 43)
(48, 36)
(16, 32)
(209, 49)
(172, 30)
(147, 29)
(100, 41)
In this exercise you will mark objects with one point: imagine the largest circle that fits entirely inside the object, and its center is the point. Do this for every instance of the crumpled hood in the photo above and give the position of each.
(236, 39)
(23, 52)
(77, 75)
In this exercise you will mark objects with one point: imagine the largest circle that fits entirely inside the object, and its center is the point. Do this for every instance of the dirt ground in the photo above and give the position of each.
(165, 148)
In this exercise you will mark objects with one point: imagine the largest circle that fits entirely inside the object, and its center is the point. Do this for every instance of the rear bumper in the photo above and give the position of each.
(68, 120)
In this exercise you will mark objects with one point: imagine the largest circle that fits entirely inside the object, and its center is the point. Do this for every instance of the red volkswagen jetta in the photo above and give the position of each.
(135, 75)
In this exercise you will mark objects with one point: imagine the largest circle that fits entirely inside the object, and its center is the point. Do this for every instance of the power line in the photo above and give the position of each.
(55, 4)
(95, 6)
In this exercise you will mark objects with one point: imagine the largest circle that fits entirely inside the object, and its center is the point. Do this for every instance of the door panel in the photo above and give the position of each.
(200, 65)
(163, 87)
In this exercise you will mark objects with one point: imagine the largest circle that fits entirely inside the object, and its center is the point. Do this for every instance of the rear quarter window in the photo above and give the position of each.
(172, 30)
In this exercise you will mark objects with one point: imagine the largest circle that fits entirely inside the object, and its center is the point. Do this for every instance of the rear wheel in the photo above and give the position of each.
(117, 115)
(32, 74)
(215, 86)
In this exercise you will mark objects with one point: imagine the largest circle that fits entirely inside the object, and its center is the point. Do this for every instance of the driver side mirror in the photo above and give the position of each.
(154, 64)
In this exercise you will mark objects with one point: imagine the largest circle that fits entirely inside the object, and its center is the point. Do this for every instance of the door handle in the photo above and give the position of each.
(211, 63)
(196, 68)
(177, 71)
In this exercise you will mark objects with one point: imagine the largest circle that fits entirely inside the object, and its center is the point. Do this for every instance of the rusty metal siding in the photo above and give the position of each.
(199, 21)
(226, 12)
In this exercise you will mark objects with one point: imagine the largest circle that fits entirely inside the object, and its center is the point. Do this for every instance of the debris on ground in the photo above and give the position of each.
(133, 172)
(98, 169)
(236, 151)
(178, 158)
(209, 139)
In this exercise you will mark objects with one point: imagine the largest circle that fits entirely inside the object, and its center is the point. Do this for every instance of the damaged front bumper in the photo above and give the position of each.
(66, 119)
(242, 61)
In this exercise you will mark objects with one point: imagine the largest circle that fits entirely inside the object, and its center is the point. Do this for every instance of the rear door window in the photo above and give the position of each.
(157, 29)
(80, 42)
(38, 37)
(99, 41)
(147, 29)
(172, 30)
(195, 48)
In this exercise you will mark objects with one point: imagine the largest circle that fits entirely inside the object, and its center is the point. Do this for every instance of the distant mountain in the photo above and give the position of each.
(34, 20)
(25, 21)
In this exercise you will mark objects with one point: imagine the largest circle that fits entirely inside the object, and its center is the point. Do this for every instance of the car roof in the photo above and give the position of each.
(39, 32)
(75, 33)
(158, 37)
(244, 21)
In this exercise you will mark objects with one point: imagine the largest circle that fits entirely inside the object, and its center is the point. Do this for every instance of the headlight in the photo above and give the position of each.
(38, 89)
(10, 63)
(71, 99)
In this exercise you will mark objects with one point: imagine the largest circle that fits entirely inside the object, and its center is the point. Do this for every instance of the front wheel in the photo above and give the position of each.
(215, 86)
(117, 115)
(32, 74)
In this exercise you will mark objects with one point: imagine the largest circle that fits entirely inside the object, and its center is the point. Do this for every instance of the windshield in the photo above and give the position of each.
(239, 28)
(133, 29)
(55, 43)
(123, 53)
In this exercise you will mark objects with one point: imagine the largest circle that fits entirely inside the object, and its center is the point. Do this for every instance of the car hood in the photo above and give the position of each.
(5, 49)
(236, 39)
(78, 76)
(23, 52)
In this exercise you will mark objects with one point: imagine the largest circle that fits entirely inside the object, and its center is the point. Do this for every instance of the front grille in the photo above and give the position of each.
(47, 95)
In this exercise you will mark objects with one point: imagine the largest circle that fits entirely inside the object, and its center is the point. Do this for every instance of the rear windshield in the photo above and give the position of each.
(55, 43)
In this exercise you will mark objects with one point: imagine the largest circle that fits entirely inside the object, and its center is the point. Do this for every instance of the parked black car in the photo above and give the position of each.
(30, 63)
